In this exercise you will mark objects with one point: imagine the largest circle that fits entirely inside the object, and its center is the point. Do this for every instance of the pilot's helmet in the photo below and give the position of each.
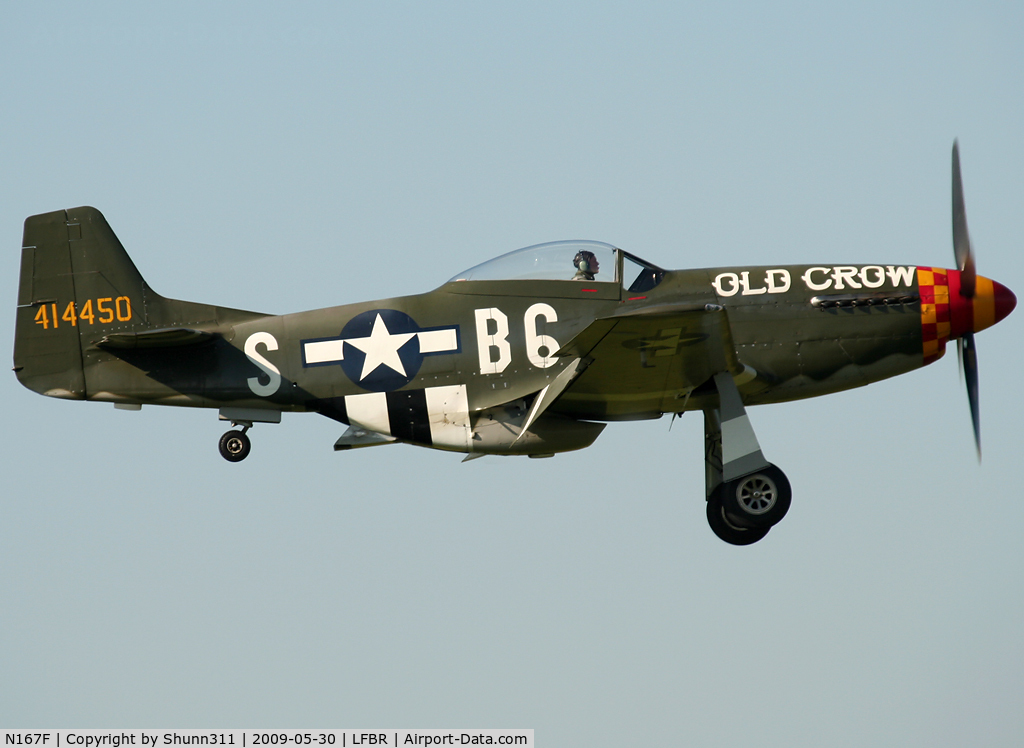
(584, 261)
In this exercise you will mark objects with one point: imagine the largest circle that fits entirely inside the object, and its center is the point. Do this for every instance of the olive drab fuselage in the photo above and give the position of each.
(798, 331)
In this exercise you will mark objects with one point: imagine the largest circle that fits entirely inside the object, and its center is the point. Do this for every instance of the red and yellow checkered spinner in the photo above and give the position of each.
(947, 313)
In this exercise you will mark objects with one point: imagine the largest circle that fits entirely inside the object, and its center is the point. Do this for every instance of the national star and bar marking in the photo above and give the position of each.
(382, 347)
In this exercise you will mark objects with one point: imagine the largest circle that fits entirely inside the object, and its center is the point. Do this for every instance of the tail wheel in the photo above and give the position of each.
(758, 500)
(725, 529)
(234, 446)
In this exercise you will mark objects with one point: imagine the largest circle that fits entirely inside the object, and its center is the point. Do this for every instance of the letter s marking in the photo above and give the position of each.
(272, 373)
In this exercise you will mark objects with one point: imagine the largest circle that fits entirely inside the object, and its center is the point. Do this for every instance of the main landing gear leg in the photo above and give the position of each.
(235, 445)
(746, 494)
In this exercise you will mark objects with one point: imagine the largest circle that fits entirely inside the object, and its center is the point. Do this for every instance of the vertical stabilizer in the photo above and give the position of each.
(76, 282)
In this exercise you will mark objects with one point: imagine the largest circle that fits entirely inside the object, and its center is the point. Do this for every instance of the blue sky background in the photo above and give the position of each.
(281, 158)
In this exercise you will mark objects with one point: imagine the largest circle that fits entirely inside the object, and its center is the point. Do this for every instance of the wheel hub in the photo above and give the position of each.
(757, 494)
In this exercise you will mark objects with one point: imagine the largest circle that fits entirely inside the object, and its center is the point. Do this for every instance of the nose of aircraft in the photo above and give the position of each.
(1005, 301)
(992, 302)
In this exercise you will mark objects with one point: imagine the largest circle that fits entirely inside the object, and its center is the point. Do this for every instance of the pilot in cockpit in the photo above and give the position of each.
(586, 265)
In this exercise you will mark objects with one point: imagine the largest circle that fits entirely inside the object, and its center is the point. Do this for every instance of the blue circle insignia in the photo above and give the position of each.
(381, 349)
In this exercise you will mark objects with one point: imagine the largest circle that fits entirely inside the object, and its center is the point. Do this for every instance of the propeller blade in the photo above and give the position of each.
(969, 359)
(961, 239)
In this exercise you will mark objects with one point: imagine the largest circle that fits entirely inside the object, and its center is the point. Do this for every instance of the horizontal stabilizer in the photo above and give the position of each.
(169, 337)
(355, 437)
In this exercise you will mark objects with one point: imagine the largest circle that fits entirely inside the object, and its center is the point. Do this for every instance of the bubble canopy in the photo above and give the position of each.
(550, 261)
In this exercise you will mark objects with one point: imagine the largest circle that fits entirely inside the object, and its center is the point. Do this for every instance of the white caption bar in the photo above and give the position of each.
(260, 738)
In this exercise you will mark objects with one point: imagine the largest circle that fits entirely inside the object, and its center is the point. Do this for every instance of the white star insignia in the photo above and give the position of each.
(381, 348)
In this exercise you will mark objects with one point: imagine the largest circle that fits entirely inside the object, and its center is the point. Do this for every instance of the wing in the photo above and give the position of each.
(643, 363)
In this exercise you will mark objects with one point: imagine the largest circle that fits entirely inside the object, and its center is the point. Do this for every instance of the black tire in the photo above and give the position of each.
(727, 531)
(234, 446)
(760, 499)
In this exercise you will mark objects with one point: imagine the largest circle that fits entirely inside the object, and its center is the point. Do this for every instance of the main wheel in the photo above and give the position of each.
(234, 446)
(726, 530)
(760, 499)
